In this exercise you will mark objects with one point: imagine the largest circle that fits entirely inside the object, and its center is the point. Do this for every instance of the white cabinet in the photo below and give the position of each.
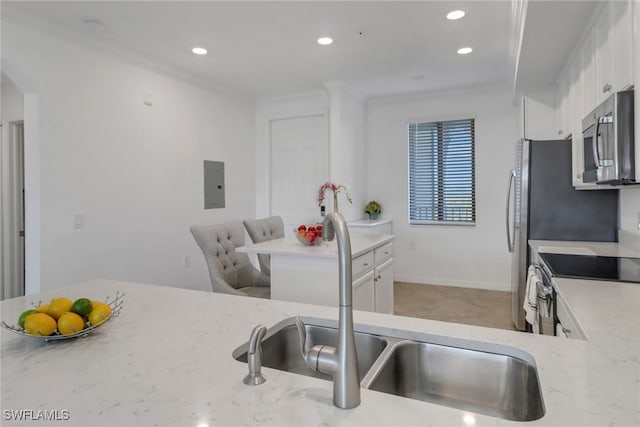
(588, 73)
(603, 37)
(383, 283)
(569, 327)
(364, 293)
(562, 111)
(373, 280)
(623, 44)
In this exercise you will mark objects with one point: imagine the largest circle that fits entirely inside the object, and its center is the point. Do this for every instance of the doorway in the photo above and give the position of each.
(13, 220)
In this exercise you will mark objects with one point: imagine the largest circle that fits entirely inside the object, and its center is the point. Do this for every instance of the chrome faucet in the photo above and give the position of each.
(254, 357)
(340, 362)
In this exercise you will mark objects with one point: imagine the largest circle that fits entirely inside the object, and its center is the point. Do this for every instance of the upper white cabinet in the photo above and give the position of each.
(603, 36)
(588, 72)
(623, 44)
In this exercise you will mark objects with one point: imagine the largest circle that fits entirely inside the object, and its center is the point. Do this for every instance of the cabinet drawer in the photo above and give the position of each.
(361, 264)
(383, 252)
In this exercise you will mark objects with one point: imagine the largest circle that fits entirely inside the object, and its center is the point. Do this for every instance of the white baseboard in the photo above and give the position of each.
(455, 283)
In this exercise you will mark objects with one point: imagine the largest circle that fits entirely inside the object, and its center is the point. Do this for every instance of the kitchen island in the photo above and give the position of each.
(166, 361)
(309, 274)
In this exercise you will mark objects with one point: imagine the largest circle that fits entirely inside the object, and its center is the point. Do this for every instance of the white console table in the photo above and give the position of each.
(309, 274)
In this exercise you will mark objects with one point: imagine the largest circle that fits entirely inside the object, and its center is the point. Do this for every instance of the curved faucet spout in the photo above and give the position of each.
(340, 361)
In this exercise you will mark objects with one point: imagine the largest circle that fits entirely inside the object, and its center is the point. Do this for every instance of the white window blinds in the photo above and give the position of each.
(442, 172)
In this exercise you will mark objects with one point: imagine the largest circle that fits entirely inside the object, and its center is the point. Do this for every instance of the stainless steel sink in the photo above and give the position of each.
(492, 384)
(489, 379)
(281, 350)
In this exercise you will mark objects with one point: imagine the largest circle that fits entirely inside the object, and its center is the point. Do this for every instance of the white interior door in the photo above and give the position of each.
(299, 166)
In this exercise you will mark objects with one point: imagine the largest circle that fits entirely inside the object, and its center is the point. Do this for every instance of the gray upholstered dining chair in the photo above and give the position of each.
(231, 272)
(261, 230)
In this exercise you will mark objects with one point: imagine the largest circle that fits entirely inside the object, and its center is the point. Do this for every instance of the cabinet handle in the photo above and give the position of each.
(386, 252)
(606, 88)
(365, 264)
(379, 277)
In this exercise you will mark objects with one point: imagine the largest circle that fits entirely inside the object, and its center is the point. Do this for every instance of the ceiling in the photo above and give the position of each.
(268, 48)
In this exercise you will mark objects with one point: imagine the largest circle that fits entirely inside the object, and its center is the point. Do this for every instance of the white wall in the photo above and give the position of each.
(347, 149)
(474, 257)
(133, 171)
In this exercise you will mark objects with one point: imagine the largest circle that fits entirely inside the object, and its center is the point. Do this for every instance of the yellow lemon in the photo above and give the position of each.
(99, 313)
(24, 316)
(40, 324)
(70, 323)
(58, 306)
(42, 308)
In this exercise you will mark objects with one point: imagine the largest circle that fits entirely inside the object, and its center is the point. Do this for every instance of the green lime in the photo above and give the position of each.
(24, 316)
(82, 306)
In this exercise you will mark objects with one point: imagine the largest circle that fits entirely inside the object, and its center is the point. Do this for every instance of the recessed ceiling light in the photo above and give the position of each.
(199, 51)
(455, 14)
(325, 41)
(464, 50)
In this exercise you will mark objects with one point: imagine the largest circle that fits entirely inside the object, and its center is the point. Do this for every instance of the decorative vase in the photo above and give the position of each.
(335, 202)
(373, 215)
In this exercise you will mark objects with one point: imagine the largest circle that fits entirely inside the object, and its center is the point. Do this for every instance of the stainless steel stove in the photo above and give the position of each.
(593, 267)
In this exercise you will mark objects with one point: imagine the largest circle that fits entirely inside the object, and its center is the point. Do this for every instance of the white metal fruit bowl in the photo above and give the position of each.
(116, 307)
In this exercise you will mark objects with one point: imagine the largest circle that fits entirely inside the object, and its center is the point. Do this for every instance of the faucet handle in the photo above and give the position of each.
(302, 337)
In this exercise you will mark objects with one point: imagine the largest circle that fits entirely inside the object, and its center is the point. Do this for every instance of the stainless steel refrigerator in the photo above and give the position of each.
(543, 205)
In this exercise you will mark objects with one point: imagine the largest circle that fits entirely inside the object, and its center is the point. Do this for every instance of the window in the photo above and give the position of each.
(442, 172)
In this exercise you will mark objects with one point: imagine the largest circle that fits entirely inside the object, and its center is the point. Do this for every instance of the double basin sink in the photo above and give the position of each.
(488, 379)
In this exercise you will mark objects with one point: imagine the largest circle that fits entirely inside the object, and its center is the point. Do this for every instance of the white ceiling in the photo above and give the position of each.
(268, 48)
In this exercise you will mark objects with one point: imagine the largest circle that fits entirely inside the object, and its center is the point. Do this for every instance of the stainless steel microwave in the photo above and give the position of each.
(608, 138)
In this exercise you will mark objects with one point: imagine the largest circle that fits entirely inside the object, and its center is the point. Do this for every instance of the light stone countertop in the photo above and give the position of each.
(360, 243)
(167, 361)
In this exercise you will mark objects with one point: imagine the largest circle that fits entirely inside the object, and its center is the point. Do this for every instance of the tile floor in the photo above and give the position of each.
(450, 304)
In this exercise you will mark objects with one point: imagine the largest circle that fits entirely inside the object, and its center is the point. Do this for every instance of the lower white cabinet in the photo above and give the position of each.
(373, 280)
(364, 293)
(383, 284)
(569, 326)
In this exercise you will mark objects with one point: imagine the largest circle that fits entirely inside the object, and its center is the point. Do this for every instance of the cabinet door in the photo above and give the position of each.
(588, 80)
(384, 287)
(604, 54)
(363, 293)
(623, 45)
(562, 111)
